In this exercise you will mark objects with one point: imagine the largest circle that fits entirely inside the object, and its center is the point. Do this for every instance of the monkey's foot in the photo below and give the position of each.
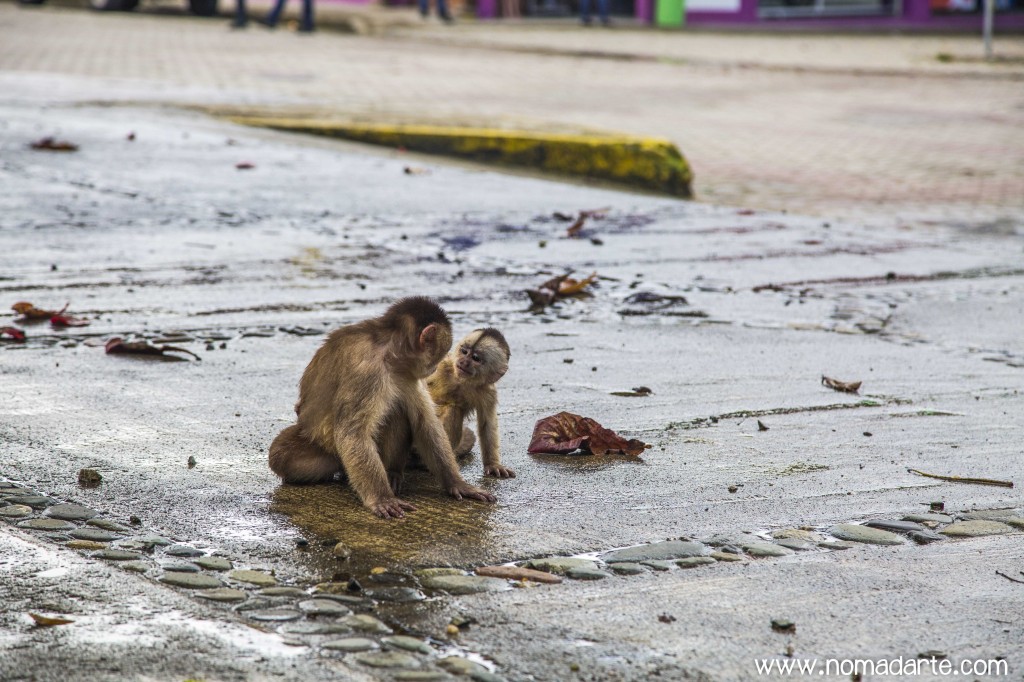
(392, 508)
(462, 489)
(498, 471)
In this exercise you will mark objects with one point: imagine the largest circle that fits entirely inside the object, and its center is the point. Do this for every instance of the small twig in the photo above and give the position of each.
(1011, 578)
(960, 479)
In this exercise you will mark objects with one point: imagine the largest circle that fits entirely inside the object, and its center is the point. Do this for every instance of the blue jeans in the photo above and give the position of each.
(602, 9)
(442, 8)
(305, 23)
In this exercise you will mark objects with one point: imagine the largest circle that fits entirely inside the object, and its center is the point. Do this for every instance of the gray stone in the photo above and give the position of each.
(135, 546)
(928, 518)
(695, 561)
(34, 501)
(94, 534)
(852, 532)
(341, 598)
(657, 564)
(894, 526)
(408, 644)
(107, 524)
(396, 594)
(283, 592)
(974, 528)
(725, 556)
(432, 572)
(191, 581)
(559, 564)
(323, 607)
(793, 543)
(836, 544)
(586, 573)
(465, 584)
(457, 665)
(136, 566)
(626, 568)
(1014, 521)
(351, 644)
(253, 577)
(670, 549)
(71, 512)
(179, 567)
(314, 628)
(182, 551)
(924, 537)
(988, 515)
(274, 615)
(89, 545)
(213, 563)
(795, 534)
(157, 541)
(15, 511)
(366, 623)
(420, 676)
(388, 659)
(760, 549)
(46, 524)
(717, 540)
(223, 594)
(257, 604)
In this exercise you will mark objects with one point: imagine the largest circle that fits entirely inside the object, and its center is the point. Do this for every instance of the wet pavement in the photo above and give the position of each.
(731, 317)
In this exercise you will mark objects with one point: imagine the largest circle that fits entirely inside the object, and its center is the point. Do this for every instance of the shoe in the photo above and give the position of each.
(606, 22)
(447, 18)
(585, 21)
(306, 29)
(266, 24)
(240, 24)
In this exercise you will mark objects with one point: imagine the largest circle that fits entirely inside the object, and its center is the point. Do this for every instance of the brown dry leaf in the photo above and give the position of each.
(30, 312)
(571, 287)
(119, 345)
(565, 432)
(245, 165)
(48, 621)
(635, 392)
(841, 386)
(577, 227)
(52, 144)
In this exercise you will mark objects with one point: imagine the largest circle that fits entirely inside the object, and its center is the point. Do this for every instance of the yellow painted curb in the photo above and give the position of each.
(647, 163)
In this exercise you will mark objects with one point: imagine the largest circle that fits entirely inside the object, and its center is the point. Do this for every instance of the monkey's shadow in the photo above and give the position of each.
(587, 462)
(442, 530)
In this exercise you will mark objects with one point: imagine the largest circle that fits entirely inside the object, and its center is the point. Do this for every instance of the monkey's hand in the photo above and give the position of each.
(391, 508)
(462, 489)
(498, 471)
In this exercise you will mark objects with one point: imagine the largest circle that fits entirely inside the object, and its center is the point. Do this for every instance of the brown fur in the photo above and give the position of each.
(463, 384)
(363, 403)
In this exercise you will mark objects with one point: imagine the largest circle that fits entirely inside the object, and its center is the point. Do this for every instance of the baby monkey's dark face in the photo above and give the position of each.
(482, 356)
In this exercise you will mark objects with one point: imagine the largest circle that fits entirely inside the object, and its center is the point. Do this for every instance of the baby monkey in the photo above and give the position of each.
(462, 384)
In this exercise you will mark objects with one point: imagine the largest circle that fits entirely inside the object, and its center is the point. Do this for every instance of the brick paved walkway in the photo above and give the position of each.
(833, 140)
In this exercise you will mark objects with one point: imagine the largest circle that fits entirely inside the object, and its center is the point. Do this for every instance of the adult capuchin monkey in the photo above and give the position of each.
(363, 405)
(464, 383)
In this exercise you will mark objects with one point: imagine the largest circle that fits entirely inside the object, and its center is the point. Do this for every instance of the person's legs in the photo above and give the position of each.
(442, 10)
(306, 25)
(424, 8)
(275, 13)
(602, 9)
(241, 17)
(585, 11)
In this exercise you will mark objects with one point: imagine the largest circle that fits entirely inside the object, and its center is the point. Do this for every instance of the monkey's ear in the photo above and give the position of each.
(428, 336)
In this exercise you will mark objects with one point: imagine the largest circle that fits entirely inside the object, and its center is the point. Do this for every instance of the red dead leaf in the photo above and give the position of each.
(52, 144)
(30, 312)
(577, 227)
(119, 345)
(841, 386)
(61, 320)
(565, 432)
(13, 332)
(571, 287)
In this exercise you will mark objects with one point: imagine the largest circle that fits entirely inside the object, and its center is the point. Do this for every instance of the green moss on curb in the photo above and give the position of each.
(647, 163)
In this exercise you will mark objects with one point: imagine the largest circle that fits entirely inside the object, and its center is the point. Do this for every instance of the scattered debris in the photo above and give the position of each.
(52, 144)
(782, 625)
(761, 426)
(119, 345)
(68, 321)
(558, 287)
(48, 621)
(1011, 578)
(191, 463)
(245, 165)
(131, 136)
(564, 217)
(565, 433)
(652, 303)
(960, 479)
(301, 331)
(934, 654)
(89, 478)
(14, 333)
(937, 506)
(577, 227)
(841, 386)
(414, 170)
(666, 618)
(734, 488)
(636, 392)
(31, 313)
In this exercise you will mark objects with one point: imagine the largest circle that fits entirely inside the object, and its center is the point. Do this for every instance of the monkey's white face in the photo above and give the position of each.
(480, 358)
